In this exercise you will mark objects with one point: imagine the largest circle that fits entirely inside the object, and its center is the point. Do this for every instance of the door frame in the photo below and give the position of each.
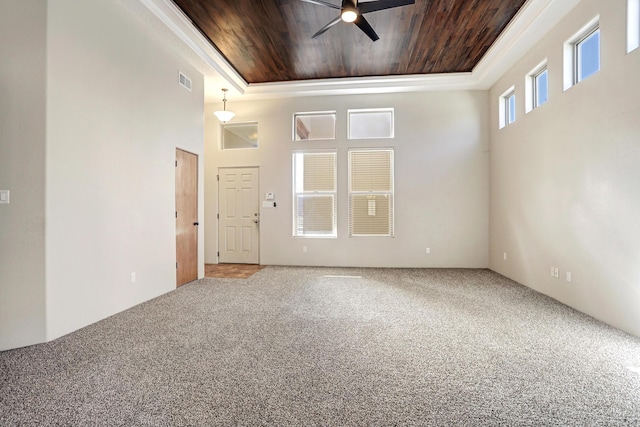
(218, 234)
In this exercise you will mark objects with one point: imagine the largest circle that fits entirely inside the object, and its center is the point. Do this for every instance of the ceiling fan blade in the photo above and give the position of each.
(322, 3)
(374, 6)
(326, 27)
(362, 23)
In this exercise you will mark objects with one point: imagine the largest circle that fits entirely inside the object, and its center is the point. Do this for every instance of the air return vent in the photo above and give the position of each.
(184, 81)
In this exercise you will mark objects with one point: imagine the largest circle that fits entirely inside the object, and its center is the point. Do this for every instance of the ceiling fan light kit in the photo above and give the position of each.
(349, 15)
(352, 11)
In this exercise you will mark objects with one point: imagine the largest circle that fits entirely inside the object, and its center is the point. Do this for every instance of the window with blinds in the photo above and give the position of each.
(314, 194)
(371, 192)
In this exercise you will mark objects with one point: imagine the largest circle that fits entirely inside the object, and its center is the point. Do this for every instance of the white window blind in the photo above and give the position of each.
(371, 192)
(314, 194)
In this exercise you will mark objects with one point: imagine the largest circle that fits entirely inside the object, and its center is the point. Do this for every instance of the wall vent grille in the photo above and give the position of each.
(184, 81)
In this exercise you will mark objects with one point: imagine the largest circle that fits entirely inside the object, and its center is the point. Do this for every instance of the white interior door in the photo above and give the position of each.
(239, 217)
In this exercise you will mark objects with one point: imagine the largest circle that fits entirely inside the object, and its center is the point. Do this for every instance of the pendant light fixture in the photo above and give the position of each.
(223, 115)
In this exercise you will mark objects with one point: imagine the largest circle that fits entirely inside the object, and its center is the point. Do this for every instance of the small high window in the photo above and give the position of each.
(587, 54)
(239, 135)
(507, 107)
(370, 123)
(541, 88)
(582, 54)
(315, 125)
(537, 87)
(633, 25)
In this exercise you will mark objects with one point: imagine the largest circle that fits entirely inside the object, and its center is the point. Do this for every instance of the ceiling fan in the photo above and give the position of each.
(352, 11)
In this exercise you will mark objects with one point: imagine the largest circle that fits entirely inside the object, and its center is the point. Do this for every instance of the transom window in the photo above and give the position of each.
(239, 135)
(314, 125)
(370, 123)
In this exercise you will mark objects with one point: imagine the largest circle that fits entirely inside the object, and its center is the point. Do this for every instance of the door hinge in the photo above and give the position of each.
(218, 216)
(176, 214)
(218, 254)
(218, 177)
(176, 265)
(176, 163)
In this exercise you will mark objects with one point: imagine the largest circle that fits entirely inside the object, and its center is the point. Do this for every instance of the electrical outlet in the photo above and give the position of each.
(133, 277)
(569, 276)
(556, 273)
(504, 256)
(428, 251)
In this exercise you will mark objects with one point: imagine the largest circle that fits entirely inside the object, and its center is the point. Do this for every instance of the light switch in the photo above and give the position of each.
(269, 196)
(4, 196)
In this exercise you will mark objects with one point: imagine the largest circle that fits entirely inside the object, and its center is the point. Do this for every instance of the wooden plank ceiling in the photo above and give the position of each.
(270, 40)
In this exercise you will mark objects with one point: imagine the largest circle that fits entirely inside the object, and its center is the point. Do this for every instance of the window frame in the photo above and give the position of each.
(314, 193)
(390, 194)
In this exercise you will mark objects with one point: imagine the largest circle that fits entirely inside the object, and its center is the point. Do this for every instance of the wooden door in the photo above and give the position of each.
(238, 226)
(186, 217)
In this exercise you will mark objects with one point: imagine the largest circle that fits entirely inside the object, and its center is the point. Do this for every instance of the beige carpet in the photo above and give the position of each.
(336, 347)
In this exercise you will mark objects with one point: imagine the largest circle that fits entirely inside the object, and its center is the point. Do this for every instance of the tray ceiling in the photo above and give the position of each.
(270, 40)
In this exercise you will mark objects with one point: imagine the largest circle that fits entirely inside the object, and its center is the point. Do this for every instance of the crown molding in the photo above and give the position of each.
(527, 28)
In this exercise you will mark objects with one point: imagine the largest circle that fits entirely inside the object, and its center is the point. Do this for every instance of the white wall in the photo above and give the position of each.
(22, 160)
(565, 178)
(115, 117)
(441, 180)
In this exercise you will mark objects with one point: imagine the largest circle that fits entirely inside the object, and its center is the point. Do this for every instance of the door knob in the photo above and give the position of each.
(257, 221)
(195, 223)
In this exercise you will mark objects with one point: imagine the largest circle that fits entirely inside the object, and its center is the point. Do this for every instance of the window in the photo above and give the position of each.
(370, 123)
(588, 55)
(633, 25)
(371, 192)
(540, 88)
(582, 54)
(537, 87)
(239, 135)
(507, 108)
(315, 125)
(314, 194)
